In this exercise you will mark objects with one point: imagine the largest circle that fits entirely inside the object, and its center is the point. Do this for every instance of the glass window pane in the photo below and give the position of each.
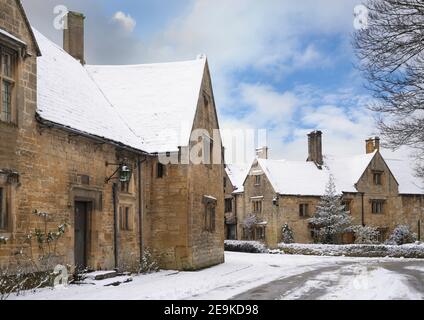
(3, 211)
(7, 65)
(6, 101)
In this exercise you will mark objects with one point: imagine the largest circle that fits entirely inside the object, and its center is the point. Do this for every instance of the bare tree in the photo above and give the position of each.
(391, 54)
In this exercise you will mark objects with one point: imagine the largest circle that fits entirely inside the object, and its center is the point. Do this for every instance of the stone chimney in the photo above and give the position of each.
(315, 148)
(262, 153)
(73, 35)
(372, 144)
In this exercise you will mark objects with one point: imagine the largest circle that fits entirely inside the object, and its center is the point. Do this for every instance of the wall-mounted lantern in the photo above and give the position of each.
(124, 171)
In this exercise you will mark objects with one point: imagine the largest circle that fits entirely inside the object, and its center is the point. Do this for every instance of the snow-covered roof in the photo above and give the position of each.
(403, 170)
(147, 107)
(158, 101)
(304, 178)
(68, 96)
(295, 177)
(348, 170)
(237, 174)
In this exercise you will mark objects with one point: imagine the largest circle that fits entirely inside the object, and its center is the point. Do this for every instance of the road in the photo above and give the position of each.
(371, 279)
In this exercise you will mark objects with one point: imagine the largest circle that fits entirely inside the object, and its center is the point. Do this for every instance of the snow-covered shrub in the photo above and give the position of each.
(402, 235)
(148, 264)
(245, 246)
(365, 234)
(287, 234)
(355, 250)
(32, 265)
(130, 263)
(330, 219)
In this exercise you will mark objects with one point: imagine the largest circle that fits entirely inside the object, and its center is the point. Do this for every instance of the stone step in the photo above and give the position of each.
(102, 275)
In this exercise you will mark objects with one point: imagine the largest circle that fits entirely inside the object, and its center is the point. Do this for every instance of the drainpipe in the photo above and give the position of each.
(363, 209)
(115, 223)
(141, 208)
(235, 215)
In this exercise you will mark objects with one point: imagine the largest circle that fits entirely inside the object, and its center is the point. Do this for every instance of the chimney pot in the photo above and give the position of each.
(315, 148)
(372, 144)
(73, 35)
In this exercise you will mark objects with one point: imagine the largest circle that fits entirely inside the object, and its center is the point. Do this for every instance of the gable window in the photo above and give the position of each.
(377, 206)
(207, 151)
(303, 210)
(7, 79)
(160, 171)
(257, 180)
(228, 205)
(257, 206)
(378, 178)
(125, 218)
(225, 182)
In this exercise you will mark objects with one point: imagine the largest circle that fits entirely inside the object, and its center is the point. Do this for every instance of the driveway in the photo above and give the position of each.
(365, 279)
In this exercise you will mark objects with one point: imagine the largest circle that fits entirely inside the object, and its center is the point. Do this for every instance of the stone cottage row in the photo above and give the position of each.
(378, 191)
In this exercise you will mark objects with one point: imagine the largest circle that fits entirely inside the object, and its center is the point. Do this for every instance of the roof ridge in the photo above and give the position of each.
(112, 66)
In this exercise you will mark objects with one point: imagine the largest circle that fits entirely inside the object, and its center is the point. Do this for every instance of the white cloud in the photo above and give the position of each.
(125, 21)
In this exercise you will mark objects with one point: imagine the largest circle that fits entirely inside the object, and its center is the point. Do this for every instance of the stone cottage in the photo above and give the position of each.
(377, 191)
(106, 149)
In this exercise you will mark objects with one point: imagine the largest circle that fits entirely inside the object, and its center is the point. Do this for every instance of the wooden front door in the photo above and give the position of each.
(81, 234)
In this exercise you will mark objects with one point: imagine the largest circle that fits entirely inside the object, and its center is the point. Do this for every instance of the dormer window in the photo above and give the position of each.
(7, 78)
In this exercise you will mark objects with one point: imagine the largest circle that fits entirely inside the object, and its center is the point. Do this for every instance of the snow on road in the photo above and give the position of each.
(244, 272)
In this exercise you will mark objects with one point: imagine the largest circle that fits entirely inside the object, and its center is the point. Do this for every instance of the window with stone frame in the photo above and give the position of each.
(160, 170)
(209, 216)
(257, 180)
(8, 60)
(257, 206)
(125, 215)
(347, 204)
(377, 206)
(228, 205)
(260, 233)
(303, 210)
(4, 210)
(378, 178)
(207, 152)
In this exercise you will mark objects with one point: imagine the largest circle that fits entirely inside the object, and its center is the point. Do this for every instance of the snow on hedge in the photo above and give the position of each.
(245, 246)
(356, 250)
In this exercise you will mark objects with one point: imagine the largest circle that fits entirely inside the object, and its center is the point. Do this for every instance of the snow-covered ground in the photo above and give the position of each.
(263, 276)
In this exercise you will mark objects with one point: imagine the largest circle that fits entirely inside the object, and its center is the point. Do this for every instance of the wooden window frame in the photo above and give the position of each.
(125, 218)
(10, 80)
(228, 208)
(378, 206)
(377, 177)
(304, 213)
(258, 180)
(257, 206)
(160, 170)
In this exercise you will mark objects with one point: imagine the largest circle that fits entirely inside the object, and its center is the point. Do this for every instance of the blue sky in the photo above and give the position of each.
(284, 66)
